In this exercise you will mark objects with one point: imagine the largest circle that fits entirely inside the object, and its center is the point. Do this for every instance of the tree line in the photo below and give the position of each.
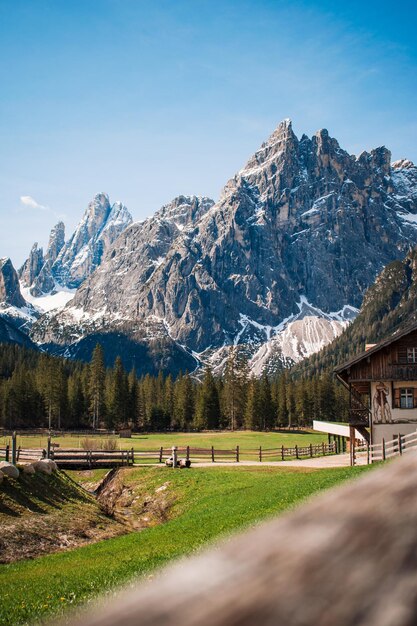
(38, 390)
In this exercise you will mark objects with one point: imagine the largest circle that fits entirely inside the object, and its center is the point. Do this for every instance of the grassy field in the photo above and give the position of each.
(246, 440)
(205, 504)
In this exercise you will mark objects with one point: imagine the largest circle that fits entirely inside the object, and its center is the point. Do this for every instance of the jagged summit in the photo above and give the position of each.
(303, 219)
(67, 264)
(402, 164)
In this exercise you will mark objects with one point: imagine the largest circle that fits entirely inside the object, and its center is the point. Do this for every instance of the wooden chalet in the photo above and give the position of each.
(382, 384)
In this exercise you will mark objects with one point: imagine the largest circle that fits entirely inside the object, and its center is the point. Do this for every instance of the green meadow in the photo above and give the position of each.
(204, 504)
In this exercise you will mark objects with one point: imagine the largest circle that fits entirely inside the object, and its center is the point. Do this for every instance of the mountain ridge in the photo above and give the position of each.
(302, 219)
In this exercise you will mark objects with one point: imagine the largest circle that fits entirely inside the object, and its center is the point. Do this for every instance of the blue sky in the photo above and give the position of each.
(148, 100)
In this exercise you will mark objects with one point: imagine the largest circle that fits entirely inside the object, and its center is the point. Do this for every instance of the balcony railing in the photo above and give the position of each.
(402, 371)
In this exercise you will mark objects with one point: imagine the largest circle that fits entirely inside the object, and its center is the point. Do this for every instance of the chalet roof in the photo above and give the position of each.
(382, 344)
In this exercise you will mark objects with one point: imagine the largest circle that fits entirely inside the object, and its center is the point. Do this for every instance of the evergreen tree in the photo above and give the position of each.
(266, 405)
(282, 408)
(117, 396)
(207, 413)
(184, 402)
(253, 409)
(235, 386)
(96, 386)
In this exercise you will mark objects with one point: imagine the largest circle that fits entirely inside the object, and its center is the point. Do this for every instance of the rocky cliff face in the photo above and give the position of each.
(32, 266)
(68, 264)
(9, 285)
(99, 227)
(302, 222)
(56, 243)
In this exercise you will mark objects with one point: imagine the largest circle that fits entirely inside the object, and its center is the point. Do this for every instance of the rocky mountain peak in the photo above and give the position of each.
(9, 285)
(56, 242)
(266, 158)
(300, 232)
(402, 164)
(184, 210)
(32, 266)
(100, 225)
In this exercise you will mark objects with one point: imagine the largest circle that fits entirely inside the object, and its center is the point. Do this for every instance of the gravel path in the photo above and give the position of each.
(337, 460)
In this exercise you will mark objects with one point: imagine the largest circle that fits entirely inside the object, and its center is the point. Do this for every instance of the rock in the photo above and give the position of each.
(46, 466)
(32, 266)
(28, 469)
(56, 242)
(9, 285)
(44, 282)
(8, 469)
(98, 228)
(1, 477)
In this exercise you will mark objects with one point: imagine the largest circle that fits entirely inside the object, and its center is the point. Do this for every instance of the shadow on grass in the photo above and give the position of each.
(38, 493)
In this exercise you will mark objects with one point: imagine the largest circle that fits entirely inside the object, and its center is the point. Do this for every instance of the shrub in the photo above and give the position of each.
(88, 443)
(109, 445)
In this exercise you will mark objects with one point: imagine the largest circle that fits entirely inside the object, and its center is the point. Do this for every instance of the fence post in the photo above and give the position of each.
(237, 454)
(323, 448)
(212, 454)
(133, 456)
(296, 451)
(400, 444)
(260, 454)
(7, 452)
(187, 454)
(161, 451)
(311, 450)
(48, 451)
(368, 449)
(383, 450)
(174, 457)
(282, 453)
(14, 439)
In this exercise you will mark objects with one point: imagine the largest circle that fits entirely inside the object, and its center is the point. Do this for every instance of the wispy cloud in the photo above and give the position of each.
(30, 203)
(27, 202)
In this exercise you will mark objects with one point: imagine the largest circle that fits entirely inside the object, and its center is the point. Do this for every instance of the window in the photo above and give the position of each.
(406, 399)
(411, 355)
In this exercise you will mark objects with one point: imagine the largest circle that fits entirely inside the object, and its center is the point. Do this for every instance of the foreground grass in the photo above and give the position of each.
(207, 504)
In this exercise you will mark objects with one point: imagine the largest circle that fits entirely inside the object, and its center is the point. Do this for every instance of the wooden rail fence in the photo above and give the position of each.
(77, 457)
(74, 457)
(372, 453)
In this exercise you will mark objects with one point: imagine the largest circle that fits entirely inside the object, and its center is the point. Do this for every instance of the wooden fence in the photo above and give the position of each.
(77, 457)
(372, 453)
(74, 457)
(235, 455)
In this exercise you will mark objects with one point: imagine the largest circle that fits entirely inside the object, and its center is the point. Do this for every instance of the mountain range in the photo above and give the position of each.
(280, 263)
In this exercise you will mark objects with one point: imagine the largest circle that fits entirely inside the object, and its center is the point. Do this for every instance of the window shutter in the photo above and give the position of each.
(396, 399)
(415, 397)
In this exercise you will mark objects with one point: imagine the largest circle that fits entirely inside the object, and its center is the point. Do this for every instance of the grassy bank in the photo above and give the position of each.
(204, 505)
(40, 514)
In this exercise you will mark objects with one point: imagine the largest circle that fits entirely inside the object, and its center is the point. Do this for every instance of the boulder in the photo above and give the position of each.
(8, 469)
(46, 466)
(28, 469)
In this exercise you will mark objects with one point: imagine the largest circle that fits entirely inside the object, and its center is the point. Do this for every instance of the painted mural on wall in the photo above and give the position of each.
(381, 402)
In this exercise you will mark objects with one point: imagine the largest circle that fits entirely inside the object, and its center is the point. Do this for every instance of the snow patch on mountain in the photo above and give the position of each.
(52, 301)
